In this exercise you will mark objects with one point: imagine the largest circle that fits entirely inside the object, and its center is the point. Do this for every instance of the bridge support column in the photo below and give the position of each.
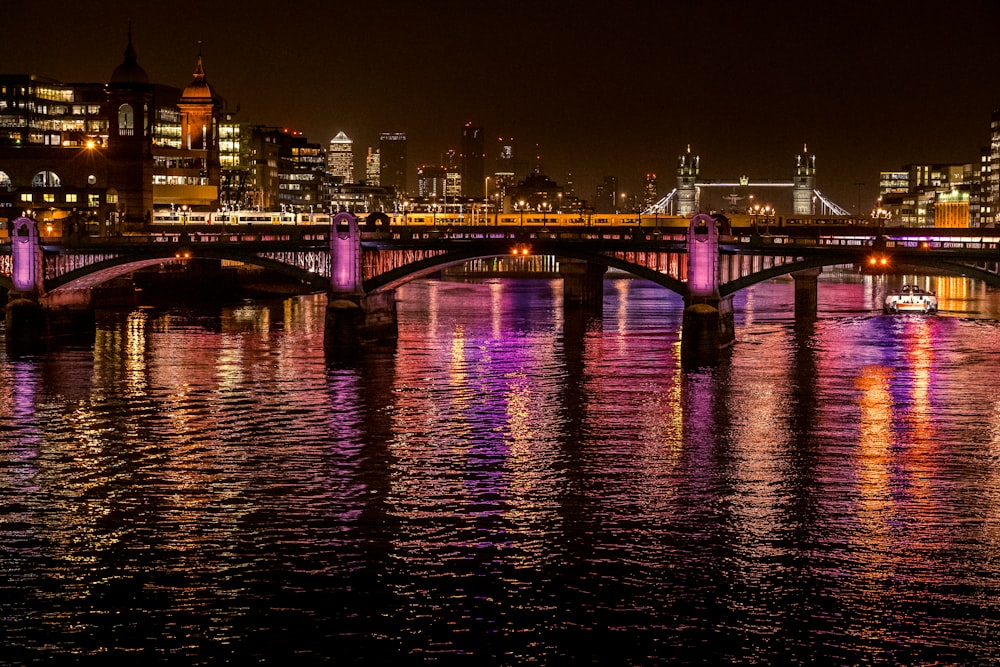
(707, 327)
(24, 316)
(806, 293)
(354, 318)
(355, 321)
(583, 284)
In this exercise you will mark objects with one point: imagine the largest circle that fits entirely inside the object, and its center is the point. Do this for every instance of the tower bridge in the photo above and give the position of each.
(685, 199)
(359, 269)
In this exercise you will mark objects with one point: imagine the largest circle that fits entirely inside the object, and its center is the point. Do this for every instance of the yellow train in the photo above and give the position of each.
(515, 219)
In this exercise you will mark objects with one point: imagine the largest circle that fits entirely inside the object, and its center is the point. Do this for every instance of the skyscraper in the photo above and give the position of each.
(473, 161)
(373, 167)
(340, 157)
(392, 156)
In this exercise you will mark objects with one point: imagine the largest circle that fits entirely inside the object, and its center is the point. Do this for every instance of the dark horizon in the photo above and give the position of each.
(867, 87)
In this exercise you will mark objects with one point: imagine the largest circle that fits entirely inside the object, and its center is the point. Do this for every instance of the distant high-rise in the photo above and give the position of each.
(431, 181)
(340, 157)
(473, 161)
(373, 167)
(605, 199)
(990, 176)
(506, 173)
(649, 193)
(392, 156)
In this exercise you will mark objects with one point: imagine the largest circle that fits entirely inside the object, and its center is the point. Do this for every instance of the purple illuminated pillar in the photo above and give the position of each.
(353, 317)
(703, 258)
(708, 318)
(24, 317)
(26, 259)
(345, 256)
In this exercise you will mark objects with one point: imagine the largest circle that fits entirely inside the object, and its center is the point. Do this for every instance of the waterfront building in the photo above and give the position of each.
(893, 183)
(301, 169)
(537, 192)
(473, 160)
(85, 153)
(235, 176)
(432, 181)
(340, 157)
(989, 179)
(930, 195)
(358, 198)
(392, 161)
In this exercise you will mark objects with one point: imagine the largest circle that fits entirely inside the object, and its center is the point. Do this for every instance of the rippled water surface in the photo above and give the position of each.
(511, 484)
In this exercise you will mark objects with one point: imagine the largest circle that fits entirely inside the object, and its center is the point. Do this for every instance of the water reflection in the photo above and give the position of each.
(514, 482)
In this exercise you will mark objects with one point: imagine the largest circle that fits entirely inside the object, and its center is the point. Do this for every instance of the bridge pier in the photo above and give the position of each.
(354, 321)
(707, 327)
(583, 284)
(806, 298)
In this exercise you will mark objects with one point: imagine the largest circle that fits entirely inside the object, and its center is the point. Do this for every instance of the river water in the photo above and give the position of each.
(511, 484)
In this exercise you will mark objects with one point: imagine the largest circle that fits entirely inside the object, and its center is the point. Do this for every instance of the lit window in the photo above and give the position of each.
(70, 198)
(26, 196)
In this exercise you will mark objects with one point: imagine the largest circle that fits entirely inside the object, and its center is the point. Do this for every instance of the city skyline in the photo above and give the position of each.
(867, 88)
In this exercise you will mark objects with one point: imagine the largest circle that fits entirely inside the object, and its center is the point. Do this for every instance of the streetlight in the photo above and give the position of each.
(881, 215)
(520, 207)
(486, 199)
(544, 208)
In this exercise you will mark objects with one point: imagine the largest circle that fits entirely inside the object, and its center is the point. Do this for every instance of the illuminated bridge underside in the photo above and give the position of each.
(392, 258)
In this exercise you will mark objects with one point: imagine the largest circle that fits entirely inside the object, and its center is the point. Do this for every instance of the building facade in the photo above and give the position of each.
(392, 161)
(473, 159)
(340, 157)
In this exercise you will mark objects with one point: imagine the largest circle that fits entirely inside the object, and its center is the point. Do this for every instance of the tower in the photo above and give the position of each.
(199, 109)
(392, 160)
(804, 183)
(130, 144)
(688, 168)
(340, 157)
(473, 161)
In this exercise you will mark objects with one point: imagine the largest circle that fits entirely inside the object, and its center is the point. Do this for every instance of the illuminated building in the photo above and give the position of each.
(392, 161)
(649, 192)
(108, 153)
(431, 181)
(929, 195)
(473, 162)
(301, 167)
(373, 168)
(893, 183)
(990, 175)
(340, 157)
(235, 182)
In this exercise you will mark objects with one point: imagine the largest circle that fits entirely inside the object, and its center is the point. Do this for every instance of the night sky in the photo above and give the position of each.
(602, 89)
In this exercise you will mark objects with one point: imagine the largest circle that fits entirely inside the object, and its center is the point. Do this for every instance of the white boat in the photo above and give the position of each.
(910, 299)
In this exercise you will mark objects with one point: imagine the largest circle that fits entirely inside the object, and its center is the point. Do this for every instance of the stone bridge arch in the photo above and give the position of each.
(808, 263)
(395, 278)
(95, 274)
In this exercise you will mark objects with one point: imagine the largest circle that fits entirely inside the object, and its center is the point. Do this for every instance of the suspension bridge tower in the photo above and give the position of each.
(804, 183)
(687, 178)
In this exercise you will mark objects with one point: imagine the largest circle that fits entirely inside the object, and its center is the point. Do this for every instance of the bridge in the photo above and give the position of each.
(360, 267)
(685, 199)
